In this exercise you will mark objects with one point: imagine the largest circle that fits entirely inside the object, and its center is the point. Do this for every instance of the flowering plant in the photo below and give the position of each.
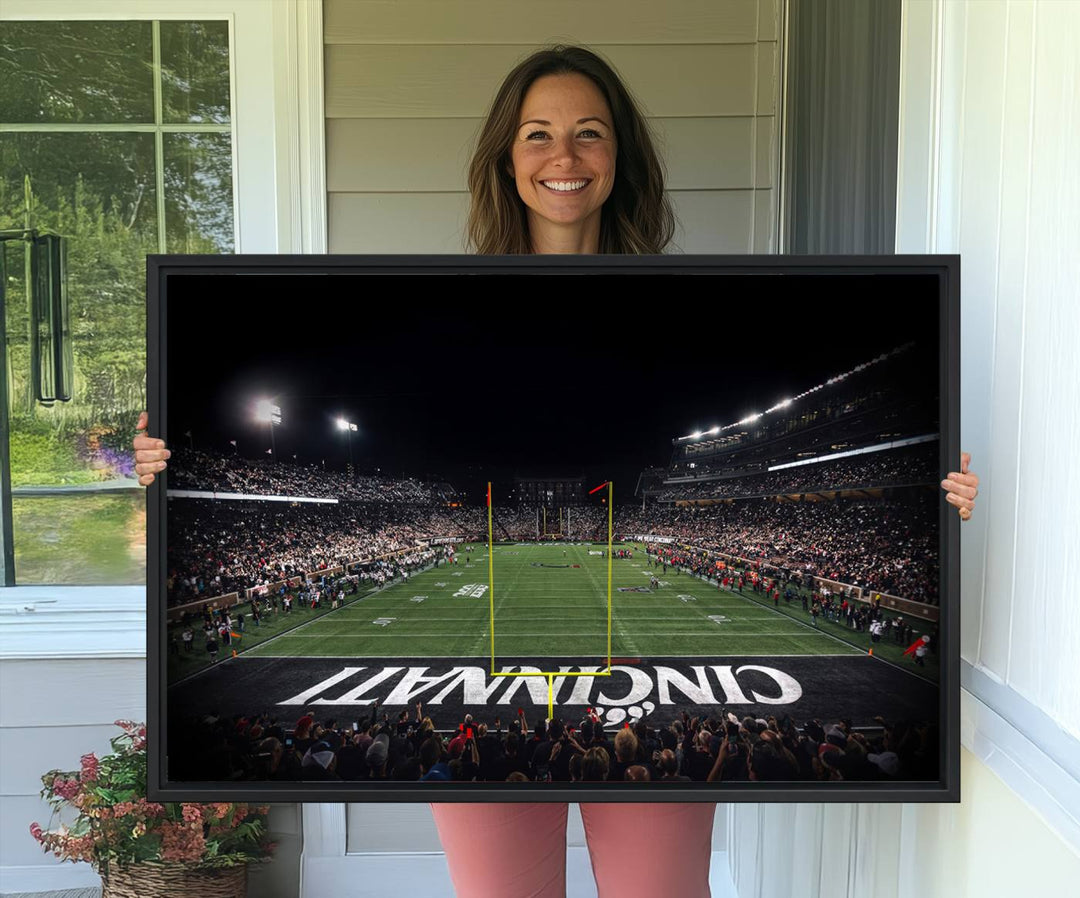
(117, 825)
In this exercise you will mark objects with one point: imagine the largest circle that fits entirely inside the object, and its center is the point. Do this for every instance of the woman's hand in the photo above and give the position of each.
(150, 453)
(962, 487)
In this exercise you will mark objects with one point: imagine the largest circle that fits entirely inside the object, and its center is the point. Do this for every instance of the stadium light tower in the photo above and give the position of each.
(348, 428)
(265, 410)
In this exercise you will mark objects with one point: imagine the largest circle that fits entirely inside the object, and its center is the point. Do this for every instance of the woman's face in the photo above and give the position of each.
(563, 154)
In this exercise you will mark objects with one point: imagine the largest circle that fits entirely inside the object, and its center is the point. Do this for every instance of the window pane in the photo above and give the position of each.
(76, 72)
(97, 190)
(198, 193)
(195, 72)
(85, 539)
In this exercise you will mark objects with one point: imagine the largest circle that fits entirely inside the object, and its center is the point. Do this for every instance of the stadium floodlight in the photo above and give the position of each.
(808, 392)
(347, 428)
(268, 413)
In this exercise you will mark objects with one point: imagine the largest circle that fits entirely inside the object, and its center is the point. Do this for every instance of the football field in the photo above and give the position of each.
(551, 600)
(684, 645)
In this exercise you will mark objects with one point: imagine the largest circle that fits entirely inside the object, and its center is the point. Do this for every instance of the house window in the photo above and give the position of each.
(118, 136)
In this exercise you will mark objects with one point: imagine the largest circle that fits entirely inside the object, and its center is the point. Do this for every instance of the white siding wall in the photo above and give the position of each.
(992, 844)
(408, 83)
(989, 150)
(53, 712)
(1014, 213)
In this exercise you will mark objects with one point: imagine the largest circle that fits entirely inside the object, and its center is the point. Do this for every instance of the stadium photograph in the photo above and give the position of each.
(552, 529)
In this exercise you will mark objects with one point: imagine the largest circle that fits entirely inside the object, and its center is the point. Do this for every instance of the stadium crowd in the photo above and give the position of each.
(195, 470)
(711, 747)
(217, 547)
(221, 546)
(910, 465)
(828, 601)
(886, 546)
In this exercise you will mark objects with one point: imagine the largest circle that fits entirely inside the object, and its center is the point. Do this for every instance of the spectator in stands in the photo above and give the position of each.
(251, 748)
(769, 760)
(489, 750)
(511, 763)
(350, 758)
(433, 766)
(467, 764)
(377, 755)
(697, 759)
(595, 765)
(668, 765)
(320, 762)
(626, 747)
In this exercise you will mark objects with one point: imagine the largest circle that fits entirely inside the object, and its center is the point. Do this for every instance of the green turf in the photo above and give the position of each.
(182, 663)
(562, 612)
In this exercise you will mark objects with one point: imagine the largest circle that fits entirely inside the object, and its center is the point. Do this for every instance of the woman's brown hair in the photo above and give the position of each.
(637, 216)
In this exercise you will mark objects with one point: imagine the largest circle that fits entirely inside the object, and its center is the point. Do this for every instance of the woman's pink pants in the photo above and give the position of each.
(520, 849)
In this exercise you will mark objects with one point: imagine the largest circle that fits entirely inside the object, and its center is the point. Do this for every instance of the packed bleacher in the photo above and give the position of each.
(217, 547)
(715, 746)
(195, 470)
(906, 466)
(885, 545)
(890, 397)
(890, 546)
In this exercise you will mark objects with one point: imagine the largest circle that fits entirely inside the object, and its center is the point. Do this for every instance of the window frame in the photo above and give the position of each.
(276, 59)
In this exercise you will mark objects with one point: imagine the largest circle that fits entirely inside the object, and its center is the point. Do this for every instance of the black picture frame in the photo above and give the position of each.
(162, 270)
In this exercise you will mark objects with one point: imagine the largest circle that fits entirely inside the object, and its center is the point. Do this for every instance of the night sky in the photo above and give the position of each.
(471, 377)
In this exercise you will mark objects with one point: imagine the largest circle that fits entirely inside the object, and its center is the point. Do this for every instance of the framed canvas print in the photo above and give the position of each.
(554, 528)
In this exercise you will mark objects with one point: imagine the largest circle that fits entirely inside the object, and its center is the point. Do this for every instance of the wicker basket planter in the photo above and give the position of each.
(174, 881)
(125, 836)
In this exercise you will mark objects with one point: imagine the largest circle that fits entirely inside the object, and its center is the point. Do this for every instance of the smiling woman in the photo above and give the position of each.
(565, 163)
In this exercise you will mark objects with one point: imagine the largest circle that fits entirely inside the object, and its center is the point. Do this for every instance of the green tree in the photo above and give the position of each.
(99, 190)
